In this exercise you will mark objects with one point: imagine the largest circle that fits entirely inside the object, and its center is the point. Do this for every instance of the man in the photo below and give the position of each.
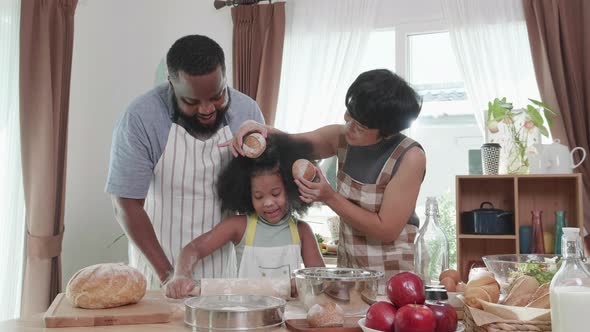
(165, 160)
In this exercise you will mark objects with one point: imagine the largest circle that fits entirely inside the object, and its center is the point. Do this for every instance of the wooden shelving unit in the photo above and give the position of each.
(517, 193)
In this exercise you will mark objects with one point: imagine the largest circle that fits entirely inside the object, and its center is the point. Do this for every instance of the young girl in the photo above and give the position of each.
(267, 237)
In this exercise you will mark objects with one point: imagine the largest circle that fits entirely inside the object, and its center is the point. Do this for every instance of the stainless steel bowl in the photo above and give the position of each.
(352, 289)
(234, 313)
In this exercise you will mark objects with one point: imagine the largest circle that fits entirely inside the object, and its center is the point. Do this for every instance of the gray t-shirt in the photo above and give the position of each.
(141, 133)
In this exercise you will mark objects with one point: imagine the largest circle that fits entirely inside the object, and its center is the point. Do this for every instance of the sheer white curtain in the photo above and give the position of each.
(11, 188)
(324, 45)
(491, 43)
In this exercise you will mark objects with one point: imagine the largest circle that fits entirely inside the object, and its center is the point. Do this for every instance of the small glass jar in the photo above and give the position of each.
(434, 295)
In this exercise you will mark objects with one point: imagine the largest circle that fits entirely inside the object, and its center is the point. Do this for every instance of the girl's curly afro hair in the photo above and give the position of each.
(234, 186)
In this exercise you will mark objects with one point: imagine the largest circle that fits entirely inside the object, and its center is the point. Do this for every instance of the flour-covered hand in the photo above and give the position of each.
(179, 287)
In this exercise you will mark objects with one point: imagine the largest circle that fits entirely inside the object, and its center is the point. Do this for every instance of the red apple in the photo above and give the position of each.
(446, 316)
(405, 288)
(414, 318)
(381, 316)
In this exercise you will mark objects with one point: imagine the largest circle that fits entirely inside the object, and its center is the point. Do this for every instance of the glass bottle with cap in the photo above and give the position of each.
(560, 223)
(570, 287)
(431, 246)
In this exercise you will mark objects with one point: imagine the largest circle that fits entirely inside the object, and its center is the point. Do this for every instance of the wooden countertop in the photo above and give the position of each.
(293, 310)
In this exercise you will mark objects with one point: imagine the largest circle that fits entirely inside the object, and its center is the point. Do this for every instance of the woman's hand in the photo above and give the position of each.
(179, 287)
(319, 191)
(235, 143)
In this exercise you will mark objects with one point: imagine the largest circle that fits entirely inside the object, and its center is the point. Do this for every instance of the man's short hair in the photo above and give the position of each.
(195, 55)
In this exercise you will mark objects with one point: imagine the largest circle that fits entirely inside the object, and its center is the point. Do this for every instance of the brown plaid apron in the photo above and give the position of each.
(357, 250)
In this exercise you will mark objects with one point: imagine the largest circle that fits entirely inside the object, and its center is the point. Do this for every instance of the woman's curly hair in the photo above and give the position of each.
(234, 185)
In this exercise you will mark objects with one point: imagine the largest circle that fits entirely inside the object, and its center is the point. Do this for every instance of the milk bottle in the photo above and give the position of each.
(570, 287)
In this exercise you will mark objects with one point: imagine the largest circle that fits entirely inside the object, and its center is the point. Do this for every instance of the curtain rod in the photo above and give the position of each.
(218, 4)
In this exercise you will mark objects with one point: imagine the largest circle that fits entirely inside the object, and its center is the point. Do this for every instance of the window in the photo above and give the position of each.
(446, 127)
(11, 191)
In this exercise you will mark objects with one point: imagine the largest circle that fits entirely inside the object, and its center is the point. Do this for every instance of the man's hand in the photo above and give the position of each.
(235, 143)
(179, 287)
(319, 191)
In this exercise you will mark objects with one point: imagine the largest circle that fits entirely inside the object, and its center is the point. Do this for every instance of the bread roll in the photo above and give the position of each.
(484, 280)
(461, 287)
(485, 288)
(303, 168)
(107, 285)
(473, 294)
(478, 272)
(325, 315)
(520, 291)
(449, 284)
(254, 145)
(450, 273)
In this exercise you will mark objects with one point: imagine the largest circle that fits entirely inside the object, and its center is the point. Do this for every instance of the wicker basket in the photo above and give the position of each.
(511, 325)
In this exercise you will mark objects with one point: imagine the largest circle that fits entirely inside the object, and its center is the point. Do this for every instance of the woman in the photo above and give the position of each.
(380, 172)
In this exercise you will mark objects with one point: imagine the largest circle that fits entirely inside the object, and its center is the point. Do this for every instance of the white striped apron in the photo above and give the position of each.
(182, 202)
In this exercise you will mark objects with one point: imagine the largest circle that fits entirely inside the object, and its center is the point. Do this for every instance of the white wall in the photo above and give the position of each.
(395, 12)
(117, 47)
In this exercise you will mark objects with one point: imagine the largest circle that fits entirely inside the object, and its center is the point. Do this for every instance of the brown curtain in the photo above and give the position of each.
(46, 41)
(559, 32)
(258, 36)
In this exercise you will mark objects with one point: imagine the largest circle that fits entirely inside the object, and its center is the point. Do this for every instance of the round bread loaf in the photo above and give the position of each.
(325, 315)
(303, 168)
(254, 145)
(107, 285)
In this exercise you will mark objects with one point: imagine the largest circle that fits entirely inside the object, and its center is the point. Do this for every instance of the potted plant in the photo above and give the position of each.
(521, 125)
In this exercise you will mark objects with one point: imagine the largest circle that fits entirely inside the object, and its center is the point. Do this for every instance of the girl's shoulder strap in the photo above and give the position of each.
(251, 228)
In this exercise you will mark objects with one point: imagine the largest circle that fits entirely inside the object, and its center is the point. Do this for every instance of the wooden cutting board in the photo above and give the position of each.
(301, 325)
(149, 310)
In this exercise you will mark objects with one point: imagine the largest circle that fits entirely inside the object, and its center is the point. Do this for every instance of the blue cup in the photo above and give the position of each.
(525, 239)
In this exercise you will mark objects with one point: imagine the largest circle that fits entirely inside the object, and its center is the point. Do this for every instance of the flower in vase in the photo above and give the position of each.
(520, 125)
(529, 125)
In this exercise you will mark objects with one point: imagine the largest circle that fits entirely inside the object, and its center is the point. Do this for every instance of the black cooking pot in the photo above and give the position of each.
(487, 221)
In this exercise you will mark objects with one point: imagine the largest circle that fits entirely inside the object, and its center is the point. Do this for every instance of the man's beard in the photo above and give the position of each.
(192, 123)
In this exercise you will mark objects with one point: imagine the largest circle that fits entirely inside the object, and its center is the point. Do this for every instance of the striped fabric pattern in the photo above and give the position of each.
(357, 250)
(182, 202)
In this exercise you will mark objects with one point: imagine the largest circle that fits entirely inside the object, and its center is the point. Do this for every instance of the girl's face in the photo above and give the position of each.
(269, 197)
(359, 135)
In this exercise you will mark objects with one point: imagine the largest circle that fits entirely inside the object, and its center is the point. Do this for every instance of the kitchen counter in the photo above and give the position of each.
(293, 310)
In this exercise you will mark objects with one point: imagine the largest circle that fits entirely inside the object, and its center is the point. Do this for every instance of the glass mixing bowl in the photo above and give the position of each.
(506, 268)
